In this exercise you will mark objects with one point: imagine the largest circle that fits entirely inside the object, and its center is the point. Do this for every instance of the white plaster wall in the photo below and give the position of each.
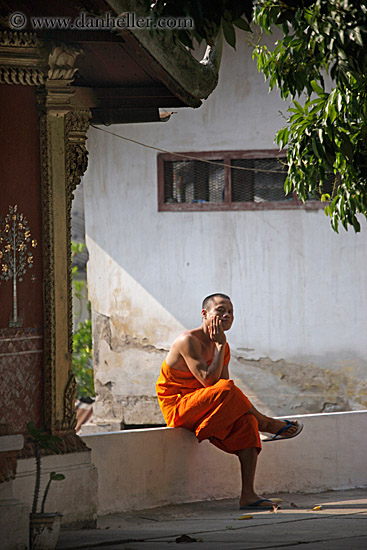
(299, 289)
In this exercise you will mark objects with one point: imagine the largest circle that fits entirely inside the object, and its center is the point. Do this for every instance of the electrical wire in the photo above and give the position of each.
(188, 157)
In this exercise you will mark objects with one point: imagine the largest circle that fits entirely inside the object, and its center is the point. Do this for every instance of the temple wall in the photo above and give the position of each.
(21, 348)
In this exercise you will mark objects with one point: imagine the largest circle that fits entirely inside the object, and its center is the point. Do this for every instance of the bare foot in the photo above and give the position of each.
(272, 426)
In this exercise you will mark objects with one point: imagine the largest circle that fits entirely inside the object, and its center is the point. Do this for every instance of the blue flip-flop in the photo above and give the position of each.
(278, 436)
(257, 505)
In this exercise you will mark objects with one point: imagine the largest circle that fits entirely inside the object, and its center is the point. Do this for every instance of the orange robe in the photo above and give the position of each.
(218, 412)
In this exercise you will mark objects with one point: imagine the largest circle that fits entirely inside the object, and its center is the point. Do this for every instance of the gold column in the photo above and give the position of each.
(63, 160)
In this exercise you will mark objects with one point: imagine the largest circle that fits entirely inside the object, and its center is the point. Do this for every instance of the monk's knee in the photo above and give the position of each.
(242, 397)
(226, 390)
(230, 390)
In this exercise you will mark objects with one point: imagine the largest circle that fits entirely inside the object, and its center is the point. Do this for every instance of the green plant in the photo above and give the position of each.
(79, 286)
(82, 338)
(42, 440)
(326, 132)
(53, 477)
(83, 359)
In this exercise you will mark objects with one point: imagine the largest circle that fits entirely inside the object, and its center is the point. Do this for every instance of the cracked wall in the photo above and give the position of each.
(126, 370)
(283, 387)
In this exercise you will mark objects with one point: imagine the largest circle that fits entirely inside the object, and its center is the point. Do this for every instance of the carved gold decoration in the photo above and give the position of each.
(64, 159)
(48, 275)
(15, 238)
(69, 420)
(61, 63)
(19, 75)
(60, 76)
(76, 127)
(19, 39)
(23, 59)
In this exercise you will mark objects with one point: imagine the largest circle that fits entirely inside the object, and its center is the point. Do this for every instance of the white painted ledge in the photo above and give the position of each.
(11, 443)
(140, 469)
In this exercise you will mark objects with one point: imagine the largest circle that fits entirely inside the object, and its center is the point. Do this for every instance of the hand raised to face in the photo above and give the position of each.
(216, 332)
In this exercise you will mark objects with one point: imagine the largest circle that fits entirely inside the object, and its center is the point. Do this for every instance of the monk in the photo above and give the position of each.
(195, 392)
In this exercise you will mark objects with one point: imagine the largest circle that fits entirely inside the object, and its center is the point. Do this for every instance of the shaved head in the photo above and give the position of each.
(209, 299)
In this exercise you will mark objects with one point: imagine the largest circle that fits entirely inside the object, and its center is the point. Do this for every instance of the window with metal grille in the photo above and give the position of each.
(224, 180)
(329, 187)
(258, 180)
(192, 181)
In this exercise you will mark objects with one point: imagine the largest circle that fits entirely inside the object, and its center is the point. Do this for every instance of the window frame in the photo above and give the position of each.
(227, 156)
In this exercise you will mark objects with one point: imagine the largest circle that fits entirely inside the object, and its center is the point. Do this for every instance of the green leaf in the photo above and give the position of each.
(320, 133)
(33, 430)
(325, 197)
(346, 148)
(317, 147)
(298, 106)
(242, 24)
(339, 102)
(330, 109)
(316, 87)
(229, 33)
(357, 35)
(56, 477)
(356, 224)
(185, 39)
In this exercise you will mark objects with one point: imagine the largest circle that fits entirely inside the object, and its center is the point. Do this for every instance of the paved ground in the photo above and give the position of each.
(340, 524)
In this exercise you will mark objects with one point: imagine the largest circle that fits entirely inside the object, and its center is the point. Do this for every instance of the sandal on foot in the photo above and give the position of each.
(257, 505)
(279, 437)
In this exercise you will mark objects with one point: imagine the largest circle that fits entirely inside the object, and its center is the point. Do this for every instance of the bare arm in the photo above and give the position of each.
(191, 351)
(225, 372)
(216, 334)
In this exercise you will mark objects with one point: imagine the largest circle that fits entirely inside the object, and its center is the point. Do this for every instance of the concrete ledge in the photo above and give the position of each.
(140, 469)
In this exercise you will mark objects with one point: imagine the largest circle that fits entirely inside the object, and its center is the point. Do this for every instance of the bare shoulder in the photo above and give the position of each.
(187, 344)
(187, 340)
